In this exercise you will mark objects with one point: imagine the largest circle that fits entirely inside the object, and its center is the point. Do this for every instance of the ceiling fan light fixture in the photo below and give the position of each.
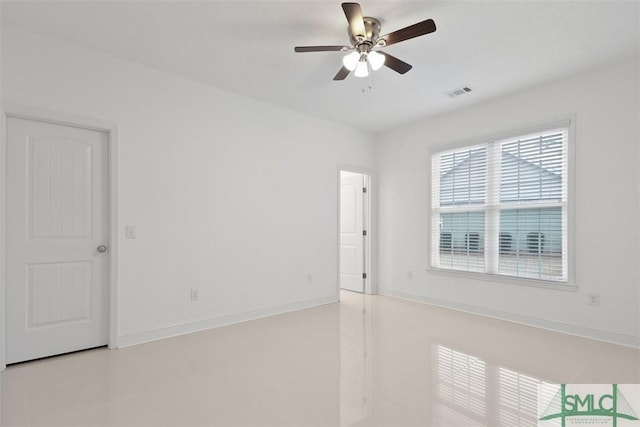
(376, 60)
(362, 69)
(350, 61)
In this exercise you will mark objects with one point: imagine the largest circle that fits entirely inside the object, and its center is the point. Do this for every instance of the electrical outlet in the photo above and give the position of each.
(410, 275)
(195, 294)
(594, 299)
(309, 278)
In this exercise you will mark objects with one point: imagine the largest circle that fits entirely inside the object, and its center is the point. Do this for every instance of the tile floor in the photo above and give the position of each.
(368, 361)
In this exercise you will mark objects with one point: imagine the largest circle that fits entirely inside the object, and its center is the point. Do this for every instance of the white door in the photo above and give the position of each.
(351, 231)
(56, 293)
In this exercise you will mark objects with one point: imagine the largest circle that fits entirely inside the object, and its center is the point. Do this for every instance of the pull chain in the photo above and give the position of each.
(369, 84)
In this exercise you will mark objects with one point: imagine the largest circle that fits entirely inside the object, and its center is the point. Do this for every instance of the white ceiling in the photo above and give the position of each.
(496, 47)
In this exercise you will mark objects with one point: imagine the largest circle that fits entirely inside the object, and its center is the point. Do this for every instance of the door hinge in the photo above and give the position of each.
(364, 232)
(364, 275)
(364, 189)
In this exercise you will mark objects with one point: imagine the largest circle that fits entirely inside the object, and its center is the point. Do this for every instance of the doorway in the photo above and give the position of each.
(56, 239)
(354, 233)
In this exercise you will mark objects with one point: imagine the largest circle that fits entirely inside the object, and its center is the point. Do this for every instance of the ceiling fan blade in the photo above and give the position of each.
(320, 48)
(415, 30)
(395, 64)
(354, 15)
(342, 74)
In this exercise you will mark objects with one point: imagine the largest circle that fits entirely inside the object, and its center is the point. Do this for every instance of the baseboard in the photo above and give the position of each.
(168, 331)
(611, 337)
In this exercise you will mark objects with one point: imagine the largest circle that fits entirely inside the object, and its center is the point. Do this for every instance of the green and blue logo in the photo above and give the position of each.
(588, 404)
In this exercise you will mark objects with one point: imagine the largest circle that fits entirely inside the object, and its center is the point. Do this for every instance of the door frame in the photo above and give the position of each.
(369, 224)
(111, 129)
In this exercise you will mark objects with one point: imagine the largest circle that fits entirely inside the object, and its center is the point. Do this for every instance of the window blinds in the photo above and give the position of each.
(501, 207)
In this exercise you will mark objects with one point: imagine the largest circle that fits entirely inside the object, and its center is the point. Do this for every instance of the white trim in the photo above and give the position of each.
(36, 114)
(502, 278)
(111, 129)
(543, 125)
(3, 270)
(571, 185)
(113, 236)
(173, 330)
(627, 340)
(370, 225)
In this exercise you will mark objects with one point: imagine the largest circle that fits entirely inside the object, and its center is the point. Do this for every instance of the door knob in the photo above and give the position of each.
(102, 248)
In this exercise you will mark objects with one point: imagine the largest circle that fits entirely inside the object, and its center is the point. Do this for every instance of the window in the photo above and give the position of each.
(501, 207)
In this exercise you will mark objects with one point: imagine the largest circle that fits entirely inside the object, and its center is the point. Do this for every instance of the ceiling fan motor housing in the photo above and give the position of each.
(372, 32)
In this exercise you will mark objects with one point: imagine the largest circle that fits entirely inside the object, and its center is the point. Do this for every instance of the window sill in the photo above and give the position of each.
(511, 280)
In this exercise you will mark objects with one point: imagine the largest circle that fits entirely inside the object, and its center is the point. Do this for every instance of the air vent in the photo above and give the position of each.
(459, 91)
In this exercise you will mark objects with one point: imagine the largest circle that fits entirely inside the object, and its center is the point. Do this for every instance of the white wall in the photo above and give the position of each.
(239, 198)
(605, 105)
(229, 195)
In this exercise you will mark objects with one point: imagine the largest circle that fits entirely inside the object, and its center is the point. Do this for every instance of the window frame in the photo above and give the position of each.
(569, 285)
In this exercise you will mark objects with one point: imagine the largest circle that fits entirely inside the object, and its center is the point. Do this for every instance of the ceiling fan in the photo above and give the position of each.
(364, 33)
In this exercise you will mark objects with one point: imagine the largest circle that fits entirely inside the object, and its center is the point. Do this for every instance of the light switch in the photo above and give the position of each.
(130, 231)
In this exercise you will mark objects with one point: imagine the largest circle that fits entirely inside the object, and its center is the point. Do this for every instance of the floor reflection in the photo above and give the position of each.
(460, 382)
(406, 363)
(469, 391)
(355, 363)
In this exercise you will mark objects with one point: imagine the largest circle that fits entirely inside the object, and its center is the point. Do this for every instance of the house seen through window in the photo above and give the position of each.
(501, 207)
